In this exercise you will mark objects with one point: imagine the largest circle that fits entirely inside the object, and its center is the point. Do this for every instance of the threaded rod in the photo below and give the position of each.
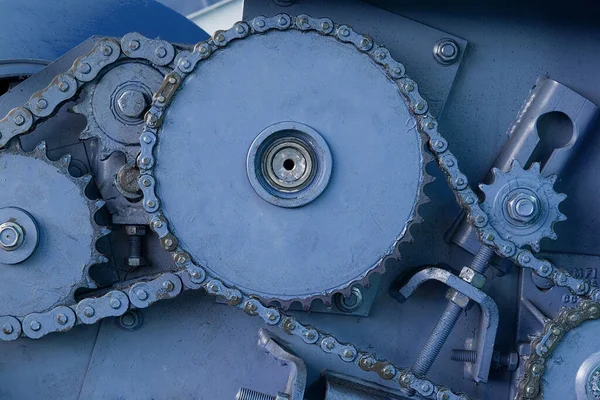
(463, 355)
(451, 314)
(249, 394)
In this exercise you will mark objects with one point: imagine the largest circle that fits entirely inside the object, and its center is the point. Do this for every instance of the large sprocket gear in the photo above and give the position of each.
(48, 229)
(522, 205)
(290, 202)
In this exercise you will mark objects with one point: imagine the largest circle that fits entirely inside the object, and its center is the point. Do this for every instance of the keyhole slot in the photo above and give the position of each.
(555, 130)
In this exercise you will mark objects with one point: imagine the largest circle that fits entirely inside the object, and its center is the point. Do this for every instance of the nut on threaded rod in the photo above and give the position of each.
(451, 314)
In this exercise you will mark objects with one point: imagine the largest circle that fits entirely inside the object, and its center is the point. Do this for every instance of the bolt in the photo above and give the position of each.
(135, 257)
(451, 314)
(107, 50)
(131, 320)
(329, 344)
(132, 103)
(324, 26)
(271, 316)
(134, 45)
(350, 304)
(462, 355)
(446, 51)
(220, 37)
(11, 236)
(7, 329)
(523, 207)
(239, 29)
(158, 223)
(260, 23)
(62, 319)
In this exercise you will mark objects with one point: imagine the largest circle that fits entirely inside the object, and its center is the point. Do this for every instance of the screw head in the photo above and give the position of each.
(132, 103)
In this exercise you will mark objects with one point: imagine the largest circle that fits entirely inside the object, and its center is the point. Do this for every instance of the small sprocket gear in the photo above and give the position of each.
(48, 232)
(522, 205)
(115, 106)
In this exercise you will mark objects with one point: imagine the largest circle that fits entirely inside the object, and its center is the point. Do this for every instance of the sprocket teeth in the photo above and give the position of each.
(561, 217)
(85, 134)
(535, 167)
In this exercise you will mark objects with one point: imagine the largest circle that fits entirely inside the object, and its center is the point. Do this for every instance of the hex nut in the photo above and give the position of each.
(458, 298)
(474, 278)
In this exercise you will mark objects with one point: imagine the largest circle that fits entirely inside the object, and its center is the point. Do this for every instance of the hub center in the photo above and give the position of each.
(289, 164)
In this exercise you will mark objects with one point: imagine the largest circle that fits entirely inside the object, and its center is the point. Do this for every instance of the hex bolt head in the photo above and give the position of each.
(523, 207)
(132, 103)
(446, 51)
(11, 236)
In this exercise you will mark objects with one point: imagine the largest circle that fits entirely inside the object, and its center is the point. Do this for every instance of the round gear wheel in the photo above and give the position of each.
(114, 107)
(522, 205)
(47, 232)
(288, 165)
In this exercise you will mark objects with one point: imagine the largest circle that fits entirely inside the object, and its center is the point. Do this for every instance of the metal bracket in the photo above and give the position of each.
(488, 323)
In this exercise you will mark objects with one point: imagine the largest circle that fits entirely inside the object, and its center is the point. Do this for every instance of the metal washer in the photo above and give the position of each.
(30, 233)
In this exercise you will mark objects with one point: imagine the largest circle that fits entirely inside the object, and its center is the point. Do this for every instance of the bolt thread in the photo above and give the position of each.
(462, 355)
(437, 339)
(249, 394)
(481, 261)
(135, 246)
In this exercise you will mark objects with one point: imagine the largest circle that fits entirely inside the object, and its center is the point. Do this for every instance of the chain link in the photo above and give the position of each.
(190, 276)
